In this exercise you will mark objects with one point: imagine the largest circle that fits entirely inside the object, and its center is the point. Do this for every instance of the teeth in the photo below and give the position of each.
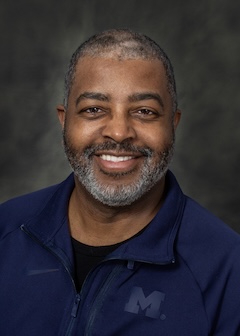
(115, 158)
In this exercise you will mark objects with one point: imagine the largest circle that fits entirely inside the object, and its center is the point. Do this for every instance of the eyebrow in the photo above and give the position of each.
(91, 95)
(136, 97)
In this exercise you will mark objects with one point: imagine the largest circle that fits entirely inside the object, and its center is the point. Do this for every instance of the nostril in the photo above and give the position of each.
(119, 130)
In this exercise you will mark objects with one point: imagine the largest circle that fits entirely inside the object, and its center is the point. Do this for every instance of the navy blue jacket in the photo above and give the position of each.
(180, 277)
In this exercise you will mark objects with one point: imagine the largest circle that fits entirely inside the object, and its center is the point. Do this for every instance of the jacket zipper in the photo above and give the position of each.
(51, 251)
(98, 300)
(77, 301)
(78, 296)
(73, 315)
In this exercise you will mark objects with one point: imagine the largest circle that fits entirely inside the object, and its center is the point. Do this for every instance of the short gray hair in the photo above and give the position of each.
(123, 44)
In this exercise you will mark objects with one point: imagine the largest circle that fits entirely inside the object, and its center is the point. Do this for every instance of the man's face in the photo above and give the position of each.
(118, 129)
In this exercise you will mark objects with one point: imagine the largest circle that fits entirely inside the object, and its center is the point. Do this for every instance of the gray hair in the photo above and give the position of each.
(123, 44)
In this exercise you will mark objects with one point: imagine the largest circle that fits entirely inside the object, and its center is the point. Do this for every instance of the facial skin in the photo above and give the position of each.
(118, 129)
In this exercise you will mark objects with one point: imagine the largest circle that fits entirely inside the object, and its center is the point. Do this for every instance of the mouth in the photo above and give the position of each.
(113, 158)
(118, 162)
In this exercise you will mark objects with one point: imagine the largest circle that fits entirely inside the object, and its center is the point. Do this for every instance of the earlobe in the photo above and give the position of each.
(61, 114)
(177, 117)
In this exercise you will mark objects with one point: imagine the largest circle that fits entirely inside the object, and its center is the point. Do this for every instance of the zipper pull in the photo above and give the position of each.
(76, 305)
(130, 264)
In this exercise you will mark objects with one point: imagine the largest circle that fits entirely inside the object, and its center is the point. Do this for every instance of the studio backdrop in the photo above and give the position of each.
(202, 40)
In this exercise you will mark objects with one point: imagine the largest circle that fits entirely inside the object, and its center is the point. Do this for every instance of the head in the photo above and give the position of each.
(119, 116)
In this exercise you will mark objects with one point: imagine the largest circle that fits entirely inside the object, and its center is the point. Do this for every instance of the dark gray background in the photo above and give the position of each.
(203, 42)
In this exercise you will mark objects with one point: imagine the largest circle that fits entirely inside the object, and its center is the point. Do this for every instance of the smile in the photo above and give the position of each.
(114, 158)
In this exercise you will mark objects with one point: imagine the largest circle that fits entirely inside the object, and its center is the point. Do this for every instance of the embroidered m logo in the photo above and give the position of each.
(151, 303)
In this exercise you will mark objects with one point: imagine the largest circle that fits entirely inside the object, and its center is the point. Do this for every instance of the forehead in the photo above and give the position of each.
(104, 74)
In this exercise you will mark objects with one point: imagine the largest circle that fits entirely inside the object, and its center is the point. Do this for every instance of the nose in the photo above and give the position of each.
(119, 127)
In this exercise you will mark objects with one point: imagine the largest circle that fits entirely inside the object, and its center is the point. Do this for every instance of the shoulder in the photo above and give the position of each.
(21, 209)
(26, 204)
(206, 244)
(201, 224)
(210, 251)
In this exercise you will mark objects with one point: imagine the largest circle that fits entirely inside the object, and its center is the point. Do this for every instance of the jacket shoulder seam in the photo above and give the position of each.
(197, 283)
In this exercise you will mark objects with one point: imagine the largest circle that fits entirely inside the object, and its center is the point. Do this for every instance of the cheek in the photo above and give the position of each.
(71, 137)
(158, 138)
(80, 131)
(75, 135)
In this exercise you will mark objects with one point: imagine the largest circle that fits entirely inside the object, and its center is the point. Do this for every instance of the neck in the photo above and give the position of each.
(96, 224)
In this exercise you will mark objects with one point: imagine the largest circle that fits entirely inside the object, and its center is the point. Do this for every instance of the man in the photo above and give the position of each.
(117, 248)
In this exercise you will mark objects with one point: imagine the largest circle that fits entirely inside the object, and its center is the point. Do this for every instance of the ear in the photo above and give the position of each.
(176, 118)
(61, 114)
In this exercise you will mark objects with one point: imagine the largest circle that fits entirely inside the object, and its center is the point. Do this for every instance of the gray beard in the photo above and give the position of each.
(152, 171)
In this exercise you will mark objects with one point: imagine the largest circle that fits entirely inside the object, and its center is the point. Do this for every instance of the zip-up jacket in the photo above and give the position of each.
(179, 277)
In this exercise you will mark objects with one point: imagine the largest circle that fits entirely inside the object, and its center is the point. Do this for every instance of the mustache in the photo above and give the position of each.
(118, 147)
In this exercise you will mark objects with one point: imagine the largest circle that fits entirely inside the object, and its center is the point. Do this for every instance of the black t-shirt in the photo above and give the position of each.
(87, 257)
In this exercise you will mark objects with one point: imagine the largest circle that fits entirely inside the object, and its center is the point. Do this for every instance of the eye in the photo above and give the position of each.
(91, 112)
(146, 113)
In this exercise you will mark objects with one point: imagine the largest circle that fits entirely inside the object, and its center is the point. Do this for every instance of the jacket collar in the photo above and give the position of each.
(50, 225)
(154, 245)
